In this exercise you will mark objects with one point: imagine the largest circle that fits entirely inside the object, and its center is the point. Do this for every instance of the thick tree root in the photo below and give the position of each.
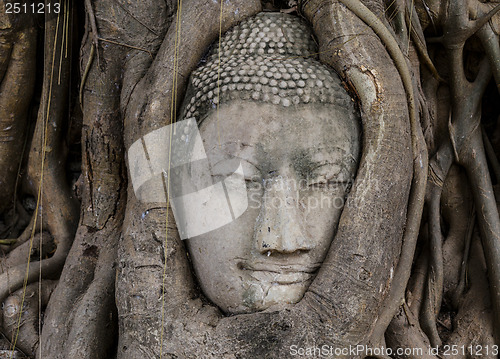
(81, 315)
(17, 81)
(23, 274)
(80, 321)
(474, 161)
(419, 150)
(45, 173)
(23, 326)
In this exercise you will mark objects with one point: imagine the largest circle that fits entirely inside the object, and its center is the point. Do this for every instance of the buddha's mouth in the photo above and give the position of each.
(279, 273)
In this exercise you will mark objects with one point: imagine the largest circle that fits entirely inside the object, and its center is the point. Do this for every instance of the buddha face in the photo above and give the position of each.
(298, 163)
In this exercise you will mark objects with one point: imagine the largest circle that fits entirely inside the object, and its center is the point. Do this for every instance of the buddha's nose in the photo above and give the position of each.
(280, 226)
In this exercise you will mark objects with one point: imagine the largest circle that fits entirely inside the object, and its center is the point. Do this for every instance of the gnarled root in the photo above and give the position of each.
(81, 316)
(17, 81)
(41, 242)
(46, 176)
(22, 326)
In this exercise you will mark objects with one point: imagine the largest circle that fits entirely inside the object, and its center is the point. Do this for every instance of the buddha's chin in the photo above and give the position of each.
(260, 296)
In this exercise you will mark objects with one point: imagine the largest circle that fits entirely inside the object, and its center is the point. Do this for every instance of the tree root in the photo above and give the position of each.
(86, 291)
(5, 53)
(466, 138)
(23, 274)
(94, 328)
(85, 74)
(23, 326)
(492, 157)
(405, 332)
(27, 233)
(416, 285)
(468, 141)
(93, 26)
(462, 281)
(80, 321)
(473, 323)
(491, 45)
(460, 128)
(419, 150)
(417, 36)
(432, 295)
(434, 286)
(403, 270)
(17, 71)
(41, 242)
(47, 152)
(474, 161)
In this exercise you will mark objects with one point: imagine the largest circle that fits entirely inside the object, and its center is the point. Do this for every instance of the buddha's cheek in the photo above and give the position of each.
(215, 256)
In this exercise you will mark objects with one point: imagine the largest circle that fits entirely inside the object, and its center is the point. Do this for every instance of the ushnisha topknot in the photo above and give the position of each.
(270, 58)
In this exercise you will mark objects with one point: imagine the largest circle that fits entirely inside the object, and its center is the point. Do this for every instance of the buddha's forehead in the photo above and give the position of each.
(273, 133)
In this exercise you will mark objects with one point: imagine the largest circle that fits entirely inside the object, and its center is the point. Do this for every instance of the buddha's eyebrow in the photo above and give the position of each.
(227, 143)
(346, 155)
(240, 154)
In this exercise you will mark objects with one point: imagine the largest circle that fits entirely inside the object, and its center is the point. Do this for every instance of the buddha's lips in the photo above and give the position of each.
(280, 274)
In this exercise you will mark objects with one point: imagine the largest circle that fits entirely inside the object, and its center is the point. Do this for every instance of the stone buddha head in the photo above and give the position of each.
(266, 104)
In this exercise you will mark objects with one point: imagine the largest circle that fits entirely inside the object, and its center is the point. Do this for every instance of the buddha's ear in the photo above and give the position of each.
(369, 240)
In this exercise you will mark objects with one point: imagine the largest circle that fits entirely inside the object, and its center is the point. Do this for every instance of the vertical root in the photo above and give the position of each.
(16, 90)
(434, 286)
(459, 291)
(474, 160)
(492, 157)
